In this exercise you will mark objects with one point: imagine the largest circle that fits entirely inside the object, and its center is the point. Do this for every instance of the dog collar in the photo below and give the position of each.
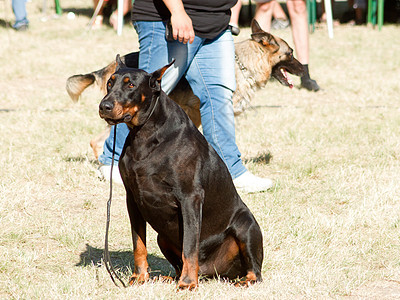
(152, 110)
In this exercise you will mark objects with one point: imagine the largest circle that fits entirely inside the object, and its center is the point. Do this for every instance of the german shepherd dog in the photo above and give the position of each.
(257, 60)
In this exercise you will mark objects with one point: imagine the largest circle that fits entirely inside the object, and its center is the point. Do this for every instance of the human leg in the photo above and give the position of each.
(212, 78)
(234, 21)
(19, 9)
(280, 20)
(278, 12)
(98, 21)
(263, 15)
(298, 16)
(126, 8)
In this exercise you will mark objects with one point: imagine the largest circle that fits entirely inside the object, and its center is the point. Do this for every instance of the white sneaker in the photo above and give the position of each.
(105, 172)
(250, 183)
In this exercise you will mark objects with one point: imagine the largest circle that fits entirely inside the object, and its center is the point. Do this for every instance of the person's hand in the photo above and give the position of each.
(182, 27)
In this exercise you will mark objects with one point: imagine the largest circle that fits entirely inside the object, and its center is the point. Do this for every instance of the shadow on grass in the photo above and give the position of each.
(6, 23)
(87, 12)
(123, 261)
(80, 159)
(261, 159)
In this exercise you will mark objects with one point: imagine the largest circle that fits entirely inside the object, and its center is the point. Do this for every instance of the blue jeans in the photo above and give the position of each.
(19, 9)
(209, 67)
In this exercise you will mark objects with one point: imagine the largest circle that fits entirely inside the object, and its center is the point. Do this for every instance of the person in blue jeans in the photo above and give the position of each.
(204, 53)
(21, 19)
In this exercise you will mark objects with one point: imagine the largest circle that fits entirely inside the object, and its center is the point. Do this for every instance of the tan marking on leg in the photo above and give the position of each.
(251, 276)
(140, 274)
(190, 273)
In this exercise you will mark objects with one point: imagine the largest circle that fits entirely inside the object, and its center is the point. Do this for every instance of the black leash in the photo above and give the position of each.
(106, 254)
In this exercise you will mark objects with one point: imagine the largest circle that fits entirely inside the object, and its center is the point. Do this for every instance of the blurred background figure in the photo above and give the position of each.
(111, 6)
(280, 19)
(356, 13)
(21, 18)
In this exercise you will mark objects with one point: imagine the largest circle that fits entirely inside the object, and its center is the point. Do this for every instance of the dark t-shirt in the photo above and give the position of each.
(209, 17)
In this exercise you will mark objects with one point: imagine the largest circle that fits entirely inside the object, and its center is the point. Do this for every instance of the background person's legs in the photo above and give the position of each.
(298, 15)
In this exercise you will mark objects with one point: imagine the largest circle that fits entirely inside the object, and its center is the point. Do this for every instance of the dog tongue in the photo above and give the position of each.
(288, 79)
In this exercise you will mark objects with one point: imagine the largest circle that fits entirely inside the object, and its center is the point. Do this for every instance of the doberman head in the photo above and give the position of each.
(131, 94)
(282, 59)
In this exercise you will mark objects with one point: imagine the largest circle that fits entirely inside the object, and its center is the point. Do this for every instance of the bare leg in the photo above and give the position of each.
(280, 20)
(98, 22)
(278, 12)
(263, 14)
(235, 11)
(298, 16)
(114, 16)
(234, 22)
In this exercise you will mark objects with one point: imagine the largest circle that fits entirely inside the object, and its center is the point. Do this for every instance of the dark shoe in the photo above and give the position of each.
(310, 84)
(348, 16)
(234, 29)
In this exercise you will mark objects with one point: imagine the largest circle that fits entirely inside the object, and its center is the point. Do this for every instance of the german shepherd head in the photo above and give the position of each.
(281, 56)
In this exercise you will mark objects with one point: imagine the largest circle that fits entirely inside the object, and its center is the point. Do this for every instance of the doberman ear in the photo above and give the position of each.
(155, 79)
(255, 27)
(120, 64)
(267, 40)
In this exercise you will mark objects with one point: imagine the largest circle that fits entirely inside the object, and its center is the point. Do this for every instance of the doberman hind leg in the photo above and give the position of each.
(251, 247)
(223, 261)
(171, 253)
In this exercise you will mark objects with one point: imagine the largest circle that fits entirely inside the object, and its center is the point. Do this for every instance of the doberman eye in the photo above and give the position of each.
(130, 85)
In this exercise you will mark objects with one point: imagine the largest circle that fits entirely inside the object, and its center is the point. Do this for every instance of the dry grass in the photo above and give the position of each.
(331, 225)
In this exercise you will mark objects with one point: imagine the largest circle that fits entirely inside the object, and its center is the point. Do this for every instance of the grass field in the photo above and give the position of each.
(330, 226)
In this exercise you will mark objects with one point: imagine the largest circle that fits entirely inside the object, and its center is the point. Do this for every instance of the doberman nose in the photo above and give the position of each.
(106, 106)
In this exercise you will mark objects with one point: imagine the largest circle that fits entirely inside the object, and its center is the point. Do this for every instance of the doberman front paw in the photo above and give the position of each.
(165, 279)
(187, 284)
(139, 278)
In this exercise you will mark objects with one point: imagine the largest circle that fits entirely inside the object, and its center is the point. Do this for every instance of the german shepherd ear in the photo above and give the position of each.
(255, 27)
(120, 64)
(267, 40)
(155, 79)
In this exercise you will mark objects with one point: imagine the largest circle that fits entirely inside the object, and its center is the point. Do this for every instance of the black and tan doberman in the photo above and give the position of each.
(177, 183)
